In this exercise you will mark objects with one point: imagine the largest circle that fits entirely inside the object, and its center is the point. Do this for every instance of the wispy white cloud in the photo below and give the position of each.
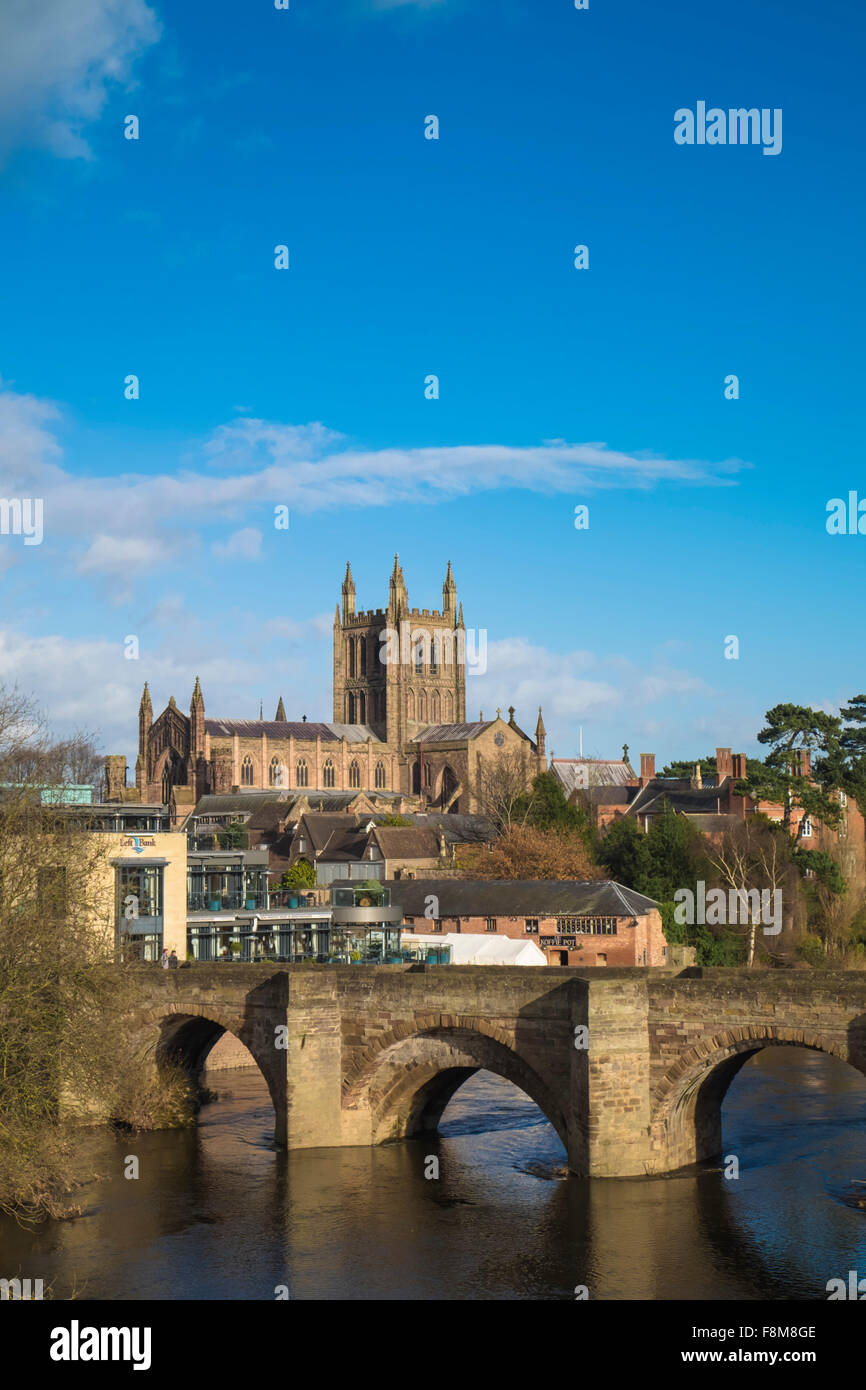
(245, 544)
(57, 60)
(124, 523)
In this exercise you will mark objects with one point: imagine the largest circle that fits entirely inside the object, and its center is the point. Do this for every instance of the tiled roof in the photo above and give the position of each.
(246, 803)
(406, 842)
(321, 826)
(519, 897)
(578, 773)
(344, 845)
(305, 732)
(680, 796)
(269, 816)
(452, 733)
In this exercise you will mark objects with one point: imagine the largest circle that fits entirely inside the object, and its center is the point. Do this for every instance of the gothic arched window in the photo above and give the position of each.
(422, 707)
(362, 652)
(362, 708)
(380, 774)
(351, 645)
(354, 774)
(449, 708)
(303, 776)
(410, 705)
(434, 707)
(276, 773)
(247, 772)
(328, 773)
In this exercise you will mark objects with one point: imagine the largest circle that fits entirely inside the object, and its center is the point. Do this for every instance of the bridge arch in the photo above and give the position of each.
(186, 1033)
(686, 1104)
(408, 1077)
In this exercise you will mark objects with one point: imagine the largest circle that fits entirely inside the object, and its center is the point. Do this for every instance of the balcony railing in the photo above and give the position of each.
(236, 901)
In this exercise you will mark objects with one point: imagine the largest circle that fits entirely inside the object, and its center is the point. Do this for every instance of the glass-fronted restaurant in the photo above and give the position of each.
(359, 926)
(227, 880)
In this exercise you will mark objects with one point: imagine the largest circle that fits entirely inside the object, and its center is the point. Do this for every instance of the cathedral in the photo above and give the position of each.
(399, 731)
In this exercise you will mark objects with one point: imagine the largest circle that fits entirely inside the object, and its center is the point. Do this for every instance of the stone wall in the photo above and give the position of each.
(630, 1065)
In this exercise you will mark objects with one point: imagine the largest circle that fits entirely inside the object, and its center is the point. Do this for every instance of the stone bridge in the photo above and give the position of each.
(364, 1054)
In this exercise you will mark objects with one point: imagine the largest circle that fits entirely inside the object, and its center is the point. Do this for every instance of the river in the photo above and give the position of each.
(217, 1213)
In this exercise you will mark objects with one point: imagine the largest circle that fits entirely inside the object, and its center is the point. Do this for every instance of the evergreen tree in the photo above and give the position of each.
(624, 854)
(790, 731)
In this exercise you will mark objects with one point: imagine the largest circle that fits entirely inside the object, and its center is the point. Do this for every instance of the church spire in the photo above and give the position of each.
(145, 719)
(348, 594)
(449, 592)
(540, 732)
(280, 716)
(196, 719)
(398, 598)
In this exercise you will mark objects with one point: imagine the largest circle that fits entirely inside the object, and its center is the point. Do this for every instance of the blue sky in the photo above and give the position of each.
(454, 257)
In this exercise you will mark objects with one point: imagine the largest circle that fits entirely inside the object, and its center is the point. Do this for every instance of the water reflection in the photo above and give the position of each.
(217, 1213)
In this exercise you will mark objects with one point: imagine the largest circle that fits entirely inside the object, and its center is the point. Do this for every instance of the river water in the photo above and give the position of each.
(217, 1213)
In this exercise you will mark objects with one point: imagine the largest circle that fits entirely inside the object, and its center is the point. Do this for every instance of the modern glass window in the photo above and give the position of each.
(139, 897)
(144, 884)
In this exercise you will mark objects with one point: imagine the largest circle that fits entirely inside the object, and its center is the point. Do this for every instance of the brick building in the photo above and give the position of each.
(593, 923)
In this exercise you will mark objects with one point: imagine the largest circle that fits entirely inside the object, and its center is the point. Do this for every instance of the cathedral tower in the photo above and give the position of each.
(399, 669)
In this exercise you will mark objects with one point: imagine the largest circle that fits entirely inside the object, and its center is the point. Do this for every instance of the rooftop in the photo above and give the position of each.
(519, 897)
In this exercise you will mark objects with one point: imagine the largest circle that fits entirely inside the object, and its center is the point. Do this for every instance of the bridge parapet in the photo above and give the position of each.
(358, 1054)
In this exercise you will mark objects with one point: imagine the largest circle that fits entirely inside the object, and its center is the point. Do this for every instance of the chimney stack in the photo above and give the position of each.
(724, 765)
(739, 767)
(647, 768)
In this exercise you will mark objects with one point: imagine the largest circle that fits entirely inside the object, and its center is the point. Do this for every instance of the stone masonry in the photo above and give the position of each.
(359, 1055)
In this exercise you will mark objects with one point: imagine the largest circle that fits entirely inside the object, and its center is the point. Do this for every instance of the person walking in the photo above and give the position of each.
(173, 960)
(163, 960)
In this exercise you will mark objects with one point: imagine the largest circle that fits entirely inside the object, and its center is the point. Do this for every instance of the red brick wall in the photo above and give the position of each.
(642, 944)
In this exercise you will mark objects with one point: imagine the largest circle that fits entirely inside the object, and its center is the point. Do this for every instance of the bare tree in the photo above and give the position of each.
(753, 862)
(525, 852)
(63, 995)
(500, 790)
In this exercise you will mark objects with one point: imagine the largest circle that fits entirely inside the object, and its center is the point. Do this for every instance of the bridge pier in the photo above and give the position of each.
(360, 1055)
(610, 1112)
